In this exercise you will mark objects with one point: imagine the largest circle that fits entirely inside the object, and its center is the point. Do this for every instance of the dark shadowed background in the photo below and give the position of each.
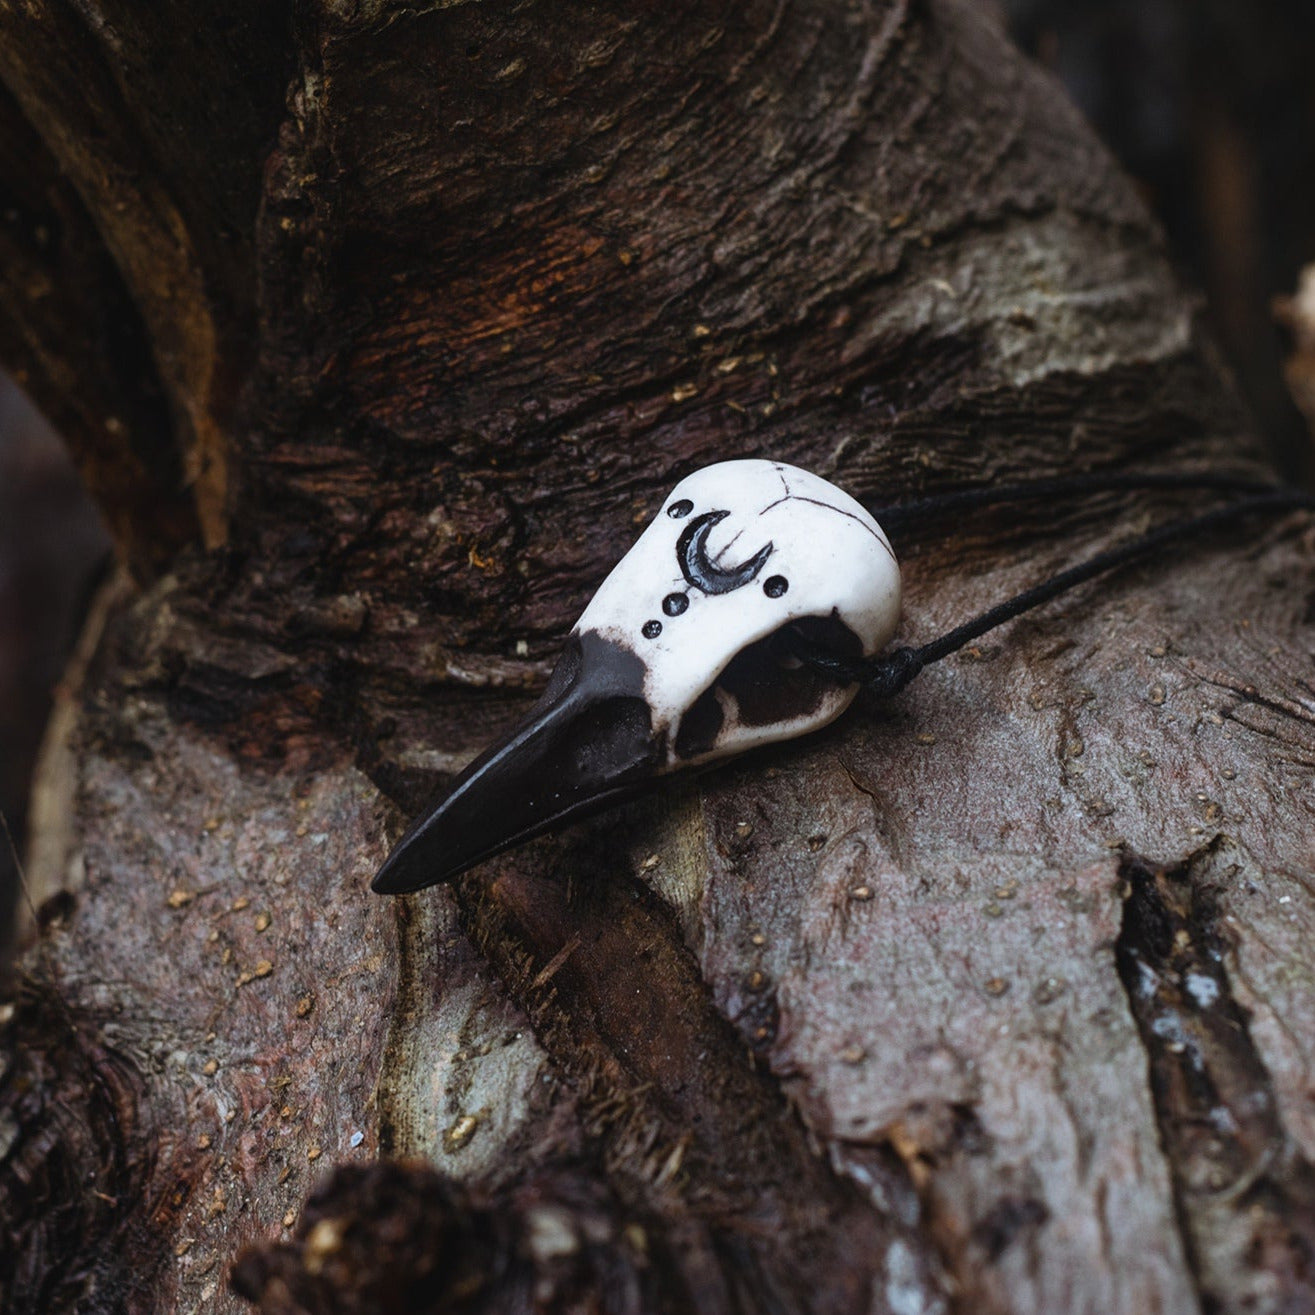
(1210, 104)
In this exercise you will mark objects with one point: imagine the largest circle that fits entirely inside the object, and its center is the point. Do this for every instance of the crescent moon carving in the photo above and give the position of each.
(699, 569)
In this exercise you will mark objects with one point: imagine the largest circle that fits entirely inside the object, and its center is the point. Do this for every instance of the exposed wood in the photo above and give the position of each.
(842, 1027)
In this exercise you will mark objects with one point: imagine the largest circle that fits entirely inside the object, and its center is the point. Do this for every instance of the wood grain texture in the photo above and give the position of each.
(850, 1025)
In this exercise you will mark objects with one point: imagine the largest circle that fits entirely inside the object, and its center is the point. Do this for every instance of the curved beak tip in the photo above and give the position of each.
(390, 880)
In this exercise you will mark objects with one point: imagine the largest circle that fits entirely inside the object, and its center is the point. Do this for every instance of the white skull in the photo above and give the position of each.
(683, 656)
(739, 551)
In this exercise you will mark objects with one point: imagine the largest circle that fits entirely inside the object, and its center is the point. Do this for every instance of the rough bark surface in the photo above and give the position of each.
(898, 1019)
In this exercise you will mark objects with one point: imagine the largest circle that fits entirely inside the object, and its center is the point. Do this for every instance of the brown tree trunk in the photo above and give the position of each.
(378, 330)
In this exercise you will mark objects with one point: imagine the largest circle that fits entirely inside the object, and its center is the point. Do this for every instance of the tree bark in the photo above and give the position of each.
(991, 999)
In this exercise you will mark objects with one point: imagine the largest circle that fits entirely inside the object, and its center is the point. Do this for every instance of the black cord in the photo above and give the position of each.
(895, 516)
(889, 673)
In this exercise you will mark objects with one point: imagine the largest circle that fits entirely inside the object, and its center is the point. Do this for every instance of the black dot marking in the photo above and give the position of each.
(775, 585)
(675, 604)
(679, 509)
(652, 629)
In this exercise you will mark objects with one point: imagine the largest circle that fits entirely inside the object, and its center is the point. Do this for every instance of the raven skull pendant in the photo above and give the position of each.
(682, 657)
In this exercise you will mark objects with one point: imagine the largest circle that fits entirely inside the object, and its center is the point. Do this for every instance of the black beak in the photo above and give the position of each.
(588, 742)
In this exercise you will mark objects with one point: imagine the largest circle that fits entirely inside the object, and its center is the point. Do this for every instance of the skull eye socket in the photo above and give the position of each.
(681, 508)
(764, 685)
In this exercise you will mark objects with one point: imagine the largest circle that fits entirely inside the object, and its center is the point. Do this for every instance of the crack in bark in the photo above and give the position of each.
(1244, 1193)
(689, 1131)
